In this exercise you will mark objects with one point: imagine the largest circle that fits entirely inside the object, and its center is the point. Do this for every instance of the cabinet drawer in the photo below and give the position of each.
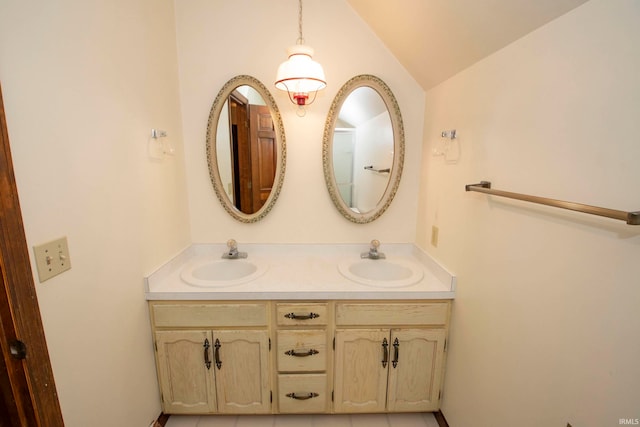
(390, 314)
(302, 350)
(301, 314)
(302, 393)
(210, 315)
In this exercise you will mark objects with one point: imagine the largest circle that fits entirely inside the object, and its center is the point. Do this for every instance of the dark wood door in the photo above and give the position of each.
(263, 154)
(27, 388)
(241, 153)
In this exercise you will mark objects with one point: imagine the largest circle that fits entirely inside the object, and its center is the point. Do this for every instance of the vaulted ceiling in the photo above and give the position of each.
(436, 39)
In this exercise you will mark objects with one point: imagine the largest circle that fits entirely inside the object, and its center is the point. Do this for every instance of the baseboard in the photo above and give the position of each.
(442, 422)
(162, 420)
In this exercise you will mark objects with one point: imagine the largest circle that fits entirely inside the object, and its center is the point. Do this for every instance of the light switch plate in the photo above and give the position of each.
(52, 258)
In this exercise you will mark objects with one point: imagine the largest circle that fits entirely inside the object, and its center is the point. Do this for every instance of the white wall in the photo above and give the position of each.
(546, 319)
(374, 147)
(223, 151)
(545, 323)
(214, 46)
(84, 83)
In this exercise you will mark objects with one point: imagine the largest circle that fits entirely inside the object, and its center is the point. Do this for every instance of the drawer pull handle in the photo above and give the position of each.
(305, 396)
(216, 354)
(396, 352)
(294, 316)
(207, 361)
(385, 353)
(301, 354)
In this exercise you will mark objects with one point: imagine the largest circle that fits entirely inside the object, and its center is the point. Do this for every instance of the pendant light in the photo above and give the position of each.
(300, 75)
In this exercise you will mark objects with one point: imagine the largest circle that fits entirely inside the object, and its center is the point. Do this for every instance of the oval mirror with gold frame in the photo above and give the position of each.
(363, 149)
(246, 149)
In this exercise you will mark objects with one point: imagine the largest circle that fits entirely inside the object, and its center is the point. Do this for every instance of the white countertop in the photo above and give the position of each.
(298, 271)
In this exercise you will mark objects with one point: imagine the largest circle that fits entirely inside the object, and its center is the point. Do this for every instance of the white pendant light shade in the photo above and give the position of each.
(300, 74)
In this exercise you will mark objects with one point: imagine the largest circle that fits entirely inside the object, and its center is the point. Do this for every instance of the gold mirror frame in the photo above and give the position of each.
(375, 83)
(212, 160)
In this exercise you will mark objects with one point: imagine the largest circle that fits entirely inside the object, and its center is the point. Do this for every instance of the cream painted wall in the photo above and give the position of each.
(219, 39)
(546, 320)
(545, 323)
(84, 83)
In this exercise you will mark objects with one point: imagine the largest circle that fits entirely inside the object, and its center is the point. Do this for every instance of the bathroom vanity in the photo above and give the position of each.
(303, 335)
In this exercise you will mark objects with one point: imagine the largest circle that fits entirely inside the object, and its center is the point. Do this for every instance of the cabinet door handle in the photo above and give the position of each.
(207, 361)
(216, 353)
(385, 353)
(396, 352)
(304, 396)
(301, 354)
(294, 316)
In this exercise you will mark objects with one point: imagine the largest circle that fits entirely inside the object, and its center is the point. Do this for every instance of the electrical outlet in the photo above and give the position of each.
(434, 236)
(52, 258)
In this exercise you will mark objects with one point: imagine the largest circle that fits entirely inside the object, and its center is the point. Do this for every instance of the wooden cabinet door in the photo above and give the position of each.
(185, 381)
(415, 370)
(360, 377)
(242, 380)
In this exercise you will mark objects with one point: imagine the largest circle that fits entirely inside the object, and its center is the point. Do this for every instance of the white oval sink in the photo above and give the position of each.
(382, 273)
(219, 273)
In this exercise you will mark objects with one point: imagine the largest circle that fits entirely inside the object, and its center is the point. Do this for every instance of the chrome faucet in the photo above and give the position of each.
(373, 251)
(232, 251)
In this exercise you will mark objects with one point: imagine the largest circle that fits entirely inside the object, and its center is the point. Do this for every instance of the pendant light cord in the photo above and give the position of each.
(300, 38)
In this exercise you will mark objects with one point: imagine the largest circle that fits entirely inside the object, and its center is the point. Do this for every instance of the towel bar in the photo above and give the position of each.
(371, 168)
(631, 218)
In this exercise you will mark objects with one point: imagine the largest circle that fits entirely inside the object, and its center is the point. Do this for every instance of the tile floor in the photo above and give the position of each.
(364, 420)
